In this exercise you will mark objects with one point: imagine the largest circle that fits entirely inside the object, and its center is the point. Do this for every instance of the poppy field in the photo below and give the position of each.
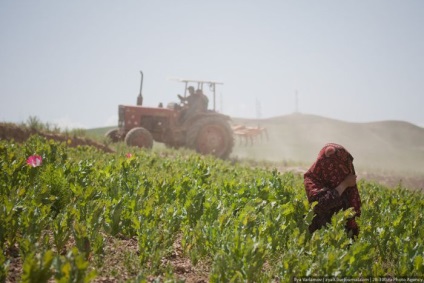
(82, 215)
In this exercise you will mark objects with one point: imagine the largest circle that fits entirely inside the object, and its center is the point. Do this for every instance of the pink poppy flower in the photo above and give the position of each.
(34, 160)
(129, 155)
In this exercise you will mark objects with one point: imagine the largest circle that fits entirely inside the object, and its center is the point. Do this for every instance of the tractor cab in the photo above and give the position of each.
(208, 88)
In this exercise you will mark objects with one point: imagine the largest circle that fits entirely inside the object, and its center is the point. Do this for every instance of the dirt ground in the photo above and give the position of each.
(9, 131)
(113, 268)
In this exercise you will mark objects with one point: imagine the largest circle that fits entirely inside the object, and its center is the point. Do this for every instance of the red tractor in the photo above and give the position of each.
(206, 131)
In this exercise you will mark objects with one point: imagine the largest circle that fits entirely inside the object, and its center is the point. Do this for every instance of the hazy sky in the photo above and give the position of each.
(72, 63)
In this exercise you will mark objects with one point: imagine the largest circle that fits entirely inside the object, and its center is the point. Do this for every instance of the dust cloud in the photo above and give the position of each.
(389, 147)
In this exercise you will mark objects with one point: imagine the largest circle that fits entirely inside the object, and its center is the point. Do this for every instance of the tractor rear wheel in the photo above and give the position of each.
(211, 136)
(139, 137)
(113, 135)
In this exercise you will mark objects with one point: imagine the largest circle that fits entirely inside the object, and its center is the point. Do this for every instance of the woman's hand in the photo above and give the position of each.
(349, 181)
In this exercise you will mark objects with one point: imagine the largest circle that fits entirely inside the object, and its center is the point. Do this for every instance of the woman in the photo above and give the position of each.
(331, 181)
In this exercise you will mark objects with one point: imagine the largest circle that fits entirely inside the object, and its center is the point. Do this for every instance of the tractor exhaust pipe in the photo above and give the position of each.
(140, 96)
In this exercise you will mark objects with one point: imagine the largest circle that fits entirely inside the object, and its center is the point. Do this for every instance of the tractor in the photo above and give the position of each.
(207, 132)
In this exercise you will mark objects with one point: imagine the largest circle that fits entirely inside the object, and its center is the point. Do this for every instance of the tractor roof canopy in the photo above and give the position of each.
(199, 84)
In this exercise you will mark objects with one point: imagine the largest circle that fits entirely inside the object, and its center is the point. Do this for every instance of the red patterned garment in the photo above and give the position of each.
(333, 165)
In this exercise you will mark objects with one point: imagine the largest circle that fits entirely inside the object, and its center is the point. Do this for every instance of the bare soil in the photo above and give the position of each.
(120, 263)
(9, 131)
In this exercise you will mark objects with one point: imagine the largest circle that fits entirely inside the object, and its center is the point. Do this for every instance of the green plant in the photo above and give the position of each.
(244, 223)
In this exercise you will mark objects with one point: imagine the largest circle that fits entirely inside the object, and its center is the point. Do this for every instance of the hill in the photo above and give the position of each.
(389, 152)
(386, 145)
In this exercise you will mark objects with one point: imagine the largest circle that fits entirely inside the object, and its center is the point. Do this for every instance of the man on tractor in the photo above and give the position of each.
(195, 102)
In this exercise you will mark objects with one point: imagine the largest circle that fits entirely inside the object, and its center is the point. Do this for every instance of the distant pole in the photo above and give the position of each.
(140, 95)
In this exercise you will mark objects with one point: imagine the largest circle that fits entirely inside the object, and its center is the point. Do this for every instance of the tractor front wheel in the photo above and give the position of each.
(139, 137)
(113, 135)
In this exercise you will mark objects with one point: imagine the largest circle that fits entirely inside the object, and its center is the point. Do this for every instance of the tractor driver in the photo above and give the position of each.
(202, 101)
(196, 102)
(189, 97)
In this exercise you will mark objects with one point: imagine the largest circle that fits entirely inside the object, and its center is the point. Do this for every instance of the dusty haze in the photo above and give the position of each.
(387, 146)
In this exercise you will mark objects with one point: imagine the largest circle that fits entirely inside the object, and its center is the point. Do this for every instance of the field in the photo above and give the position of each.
(79, 214)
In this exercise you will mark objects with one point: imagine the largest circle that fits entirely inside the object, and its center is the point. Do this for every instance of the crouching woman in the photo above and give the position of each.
(331, 181)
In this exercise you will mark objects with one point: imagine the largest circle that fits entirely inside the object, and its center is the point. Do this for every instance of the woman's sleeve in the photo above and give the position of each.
(354, 199)
(327, 198)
